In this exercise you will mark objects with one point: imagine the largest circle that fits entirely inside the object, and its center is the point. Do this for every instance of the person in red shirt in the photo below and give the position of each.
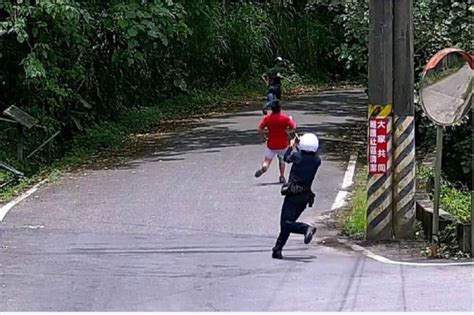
(278, 125)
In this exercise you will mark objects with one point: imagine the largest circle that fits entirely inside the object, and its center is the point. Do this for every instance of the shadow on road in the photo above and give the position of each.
(300, 258)
(269, 184)
(345, 110)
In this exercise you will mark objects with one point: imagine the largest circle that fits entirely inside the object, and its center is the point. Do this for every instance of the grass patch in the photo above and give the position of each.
(355, 219)
(4, 176)
(457, 202)
(453, 199)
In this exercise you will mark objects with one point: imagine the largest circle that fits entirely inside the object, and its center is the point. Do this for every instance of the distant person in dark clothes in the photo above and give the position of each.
(273, 79)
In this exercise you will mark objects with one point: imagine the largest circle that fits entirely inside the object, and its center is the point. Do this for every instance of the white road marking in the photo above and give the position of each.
(341, 197)
(340, 200)
(4, 210)
(349, 176)
(34, 227)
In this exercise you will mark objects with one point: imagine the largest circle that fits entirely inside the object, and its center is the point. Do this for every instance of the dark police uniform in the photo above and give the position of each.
(299, 195)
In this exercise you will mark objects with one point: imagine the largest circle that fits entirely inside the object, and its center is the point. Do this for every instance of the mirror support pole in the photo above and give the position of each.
(437, 189)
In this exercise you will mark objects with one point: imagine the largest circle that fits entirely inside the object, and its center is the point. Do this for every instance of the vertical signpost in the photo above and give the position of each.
(437, 188)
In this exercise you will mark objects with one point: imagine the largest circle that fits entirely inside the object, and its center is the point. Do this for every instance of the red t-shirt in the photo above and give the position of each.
(277, 124)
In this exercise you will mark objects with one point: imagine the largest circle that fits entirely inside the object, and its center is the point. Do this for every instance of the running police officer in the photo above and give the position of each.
(298, 192)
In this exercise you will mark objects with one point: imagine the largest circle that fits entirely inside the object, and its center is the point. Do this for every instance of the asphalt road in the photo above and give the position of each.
(186, 227)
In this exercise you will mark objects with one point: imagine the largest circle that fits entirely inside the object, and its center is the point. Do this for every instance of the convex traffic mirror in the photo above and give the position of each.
(446, 87)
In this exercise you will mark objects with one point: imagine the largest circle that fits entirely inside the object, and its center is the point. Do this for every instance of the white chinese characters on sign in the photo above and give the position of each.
(378, 138)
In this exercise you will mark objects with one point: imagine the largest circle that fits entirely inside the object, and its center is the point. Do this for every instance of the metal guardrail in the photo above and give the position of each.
(20, 120)
(23, 120)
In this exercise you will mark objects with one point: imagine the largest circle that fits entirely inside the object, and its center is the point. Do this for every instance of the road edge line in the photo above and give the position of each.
(347, 182)
(385, 260)
(6, 208)
(350, 171)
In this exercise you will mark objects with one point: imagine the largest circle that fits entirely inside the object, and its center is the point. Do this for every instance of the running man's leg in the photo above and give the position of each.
(282, 165)
(269, 155)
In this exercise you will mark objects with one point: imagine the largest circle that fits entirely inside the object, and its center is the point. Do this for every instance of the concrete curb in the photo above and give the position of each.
(385, 260)
(424, 213)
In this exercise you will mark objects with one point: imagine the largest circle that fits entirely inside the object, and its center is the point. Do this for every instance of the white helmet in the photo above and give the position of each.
(309, 142)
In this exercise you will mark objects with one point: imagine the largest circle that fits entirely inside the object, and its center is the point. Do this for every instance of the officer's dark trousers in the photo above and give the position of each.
(292, 208)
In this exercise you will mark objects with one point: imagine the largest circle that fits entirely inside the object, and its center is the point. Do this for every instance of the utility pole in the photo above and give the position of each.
(403, 121)
(379, 192)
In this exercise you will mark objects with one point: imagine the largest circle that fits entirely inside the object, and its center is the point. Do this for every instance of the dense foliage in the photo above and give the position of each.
(75, 64)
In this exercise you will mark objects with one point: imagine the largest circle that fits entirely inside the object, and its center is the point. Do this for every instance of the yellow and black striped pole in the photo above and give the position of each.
(404, 177)
(379, 190)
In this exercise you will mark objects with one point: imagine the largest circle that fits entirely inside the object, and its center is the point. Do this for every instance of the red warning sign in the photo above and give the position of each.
(378, 153)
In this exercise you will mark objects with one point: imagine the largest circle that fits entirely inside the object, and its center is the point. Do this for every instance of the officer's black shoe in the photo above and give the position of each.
(276, 253)
(308, 236)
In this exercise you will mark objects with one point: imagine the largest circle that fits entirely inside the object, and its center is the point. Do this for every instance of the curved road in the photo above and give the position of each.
(446, 100)
(186, 227)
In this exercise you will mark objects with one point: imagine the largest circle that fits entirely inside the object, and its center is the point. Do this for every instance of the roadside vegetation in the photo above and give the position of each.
(4, 177)
(454, 199)
(354, 219)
